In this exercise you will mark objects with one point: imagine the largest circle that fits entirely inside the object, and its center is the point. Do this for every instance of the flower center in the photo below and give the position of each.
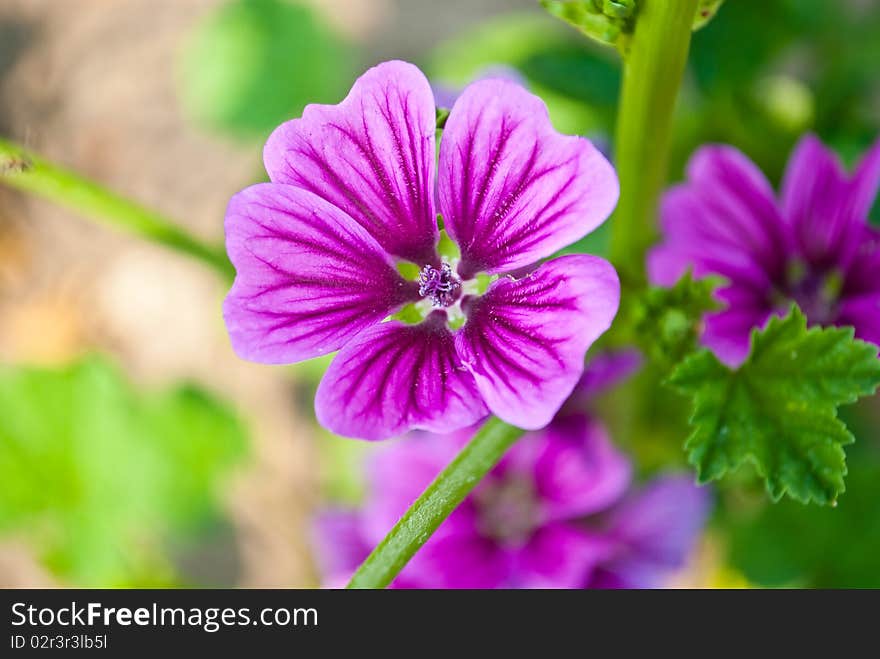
(508, 510)
(817, 293)
(441, 286)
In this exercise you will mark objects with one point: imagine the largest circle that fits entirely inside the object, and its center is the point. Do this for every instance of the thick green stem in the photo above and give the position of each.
(653, 69)
(24, 170)
(435, 504)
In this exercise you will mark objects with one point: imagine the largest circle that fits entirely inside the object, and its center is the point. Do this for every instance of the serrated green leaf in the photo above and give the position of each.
(97, 476)
(778, 410)
(788, 544)
(667, 320)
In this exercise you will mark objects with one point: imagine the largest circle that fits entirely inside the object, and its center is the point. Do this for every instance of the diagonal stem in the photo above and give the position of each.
(435, 504)
(22, 169)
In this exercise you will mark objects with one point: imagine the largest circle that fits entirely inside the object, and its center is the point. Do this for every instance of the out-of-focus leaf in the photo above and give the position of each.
(96, 476)
(793, 545)
(255, 63)
(577, 73)
(543, 51)
(778, 410)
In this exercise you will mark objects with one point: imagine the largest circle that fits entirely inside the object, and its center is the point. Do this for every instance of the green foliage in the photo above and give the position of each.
(255, 63)
(577, 81)
(96, 476)
(668, 320)
(788, 544)
(706, 11)
(778, 410)
(612, 21)
(809, 64)
(607, 21)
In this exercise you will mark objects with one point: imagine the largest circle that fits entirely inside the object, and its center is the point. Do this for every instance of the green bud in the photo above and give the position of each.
(606, 21)
(706, 11)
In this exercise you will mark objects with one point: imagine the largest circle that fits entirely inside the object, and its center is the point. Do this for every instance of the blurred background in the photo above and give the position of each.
(136, 449)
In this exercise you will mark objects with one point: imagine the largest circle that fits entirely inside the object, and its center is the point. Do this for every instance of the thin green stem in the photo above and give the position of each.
(26, 171)
(435, 504)
(653, 70)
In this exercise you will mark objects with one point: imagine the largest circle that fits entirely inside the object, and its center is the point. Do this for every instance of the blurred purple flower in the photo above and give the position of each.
(558, 511)
(812, 246)
(351, 195)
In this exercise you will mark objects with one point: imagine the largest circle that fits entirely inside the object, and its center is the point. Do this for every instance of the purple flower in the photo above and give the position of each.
(558, 511)
(812, 246)
(318, 255)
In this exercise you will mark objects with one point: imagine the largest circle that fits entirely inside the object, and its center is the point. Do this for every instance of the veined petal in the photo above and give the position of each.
(513, 190)
(525, 340)
(372, 156)
(723, 220)
(308, 278)
(702, 239)
(394, 377)
(817, 202)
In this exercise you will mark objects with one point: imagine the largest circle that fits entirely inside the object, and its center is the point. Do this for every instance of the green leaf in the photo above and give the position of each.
(778, 411)
(788, 544)
(668, 320)
(252, 64)
(521, 40)
(97, 476)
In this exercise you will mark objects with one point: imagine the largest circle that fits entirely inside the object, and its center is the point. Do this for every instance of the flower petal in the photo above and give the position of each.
(308, 278)
(398, 473)
(459, 559)
(723, 220)
(560, 556)
(656, 530)
(525, 340)
(372, 156)
(866, 180)
(394, 377)
(700, 239)
(728, 332)
(340, 546)
(512, 189)
(578, 471)
(817, 203)
(607, 370)
(863, 313)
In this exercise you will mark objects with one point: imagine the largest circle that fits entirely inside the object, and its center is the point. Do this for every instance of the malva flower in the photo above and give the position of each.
(320, 253)
(558, 511)
(812, 246)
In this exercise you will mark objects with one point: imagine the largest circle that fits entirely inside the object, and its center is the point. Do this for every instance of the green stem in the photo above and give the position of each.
(653, 69)
(24, 170)
(435, 504)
